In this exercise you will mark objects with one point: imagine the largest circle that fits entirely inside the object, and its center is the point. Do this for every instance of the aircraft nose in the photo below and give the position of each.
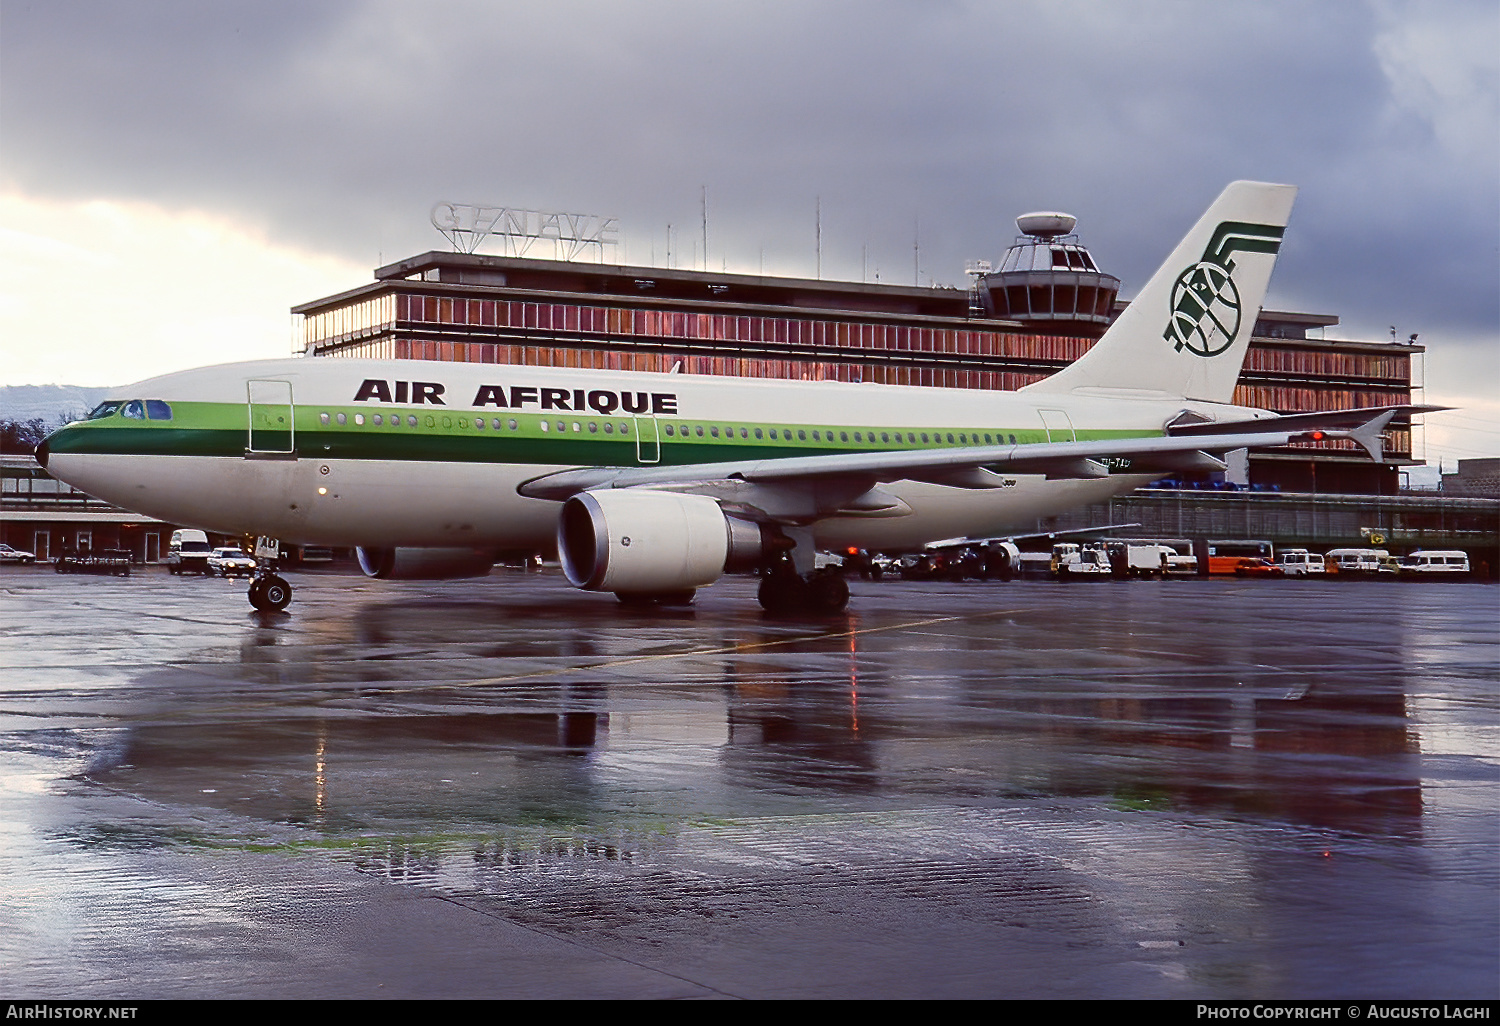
(42, 451)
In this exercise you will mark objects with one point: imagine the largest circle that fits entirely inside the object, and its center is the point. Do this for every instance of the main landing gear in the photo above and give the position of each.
(269, 591)
(784, 590)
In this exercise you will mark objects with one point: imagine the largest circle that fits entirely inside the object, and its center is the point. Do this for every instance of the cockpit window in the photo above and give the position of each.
(104, 409)
(134, 410)
(158, 410)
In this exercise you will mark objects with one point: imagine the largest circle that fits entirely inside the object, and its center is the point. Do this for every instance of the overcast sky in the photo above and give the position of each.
(174, 176)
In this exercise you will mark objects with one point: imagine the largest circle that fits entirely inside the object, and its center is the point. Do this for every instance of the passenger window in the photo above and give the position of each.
(843, 436)
(511, 424)
(801, 436)
(341, 419)
(544, 426)
(609, 428)
(593, 427)
(359, 418)
(158, 410)
(758, 433)
(411, 420)
(377, 420)
(323, 418)
(714, 431)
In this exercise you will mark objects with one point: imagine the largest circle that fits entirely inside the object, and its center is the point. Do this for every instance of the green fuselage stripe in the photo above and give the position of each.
(447, 435)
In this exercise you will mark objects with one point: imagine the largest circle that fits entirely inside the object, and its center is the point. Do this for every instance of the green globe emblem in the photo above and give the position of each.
(1205, 310)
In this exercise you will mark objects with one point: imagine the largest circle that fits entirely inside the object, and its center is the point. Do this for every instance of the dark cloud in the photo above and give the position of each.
(336, 125)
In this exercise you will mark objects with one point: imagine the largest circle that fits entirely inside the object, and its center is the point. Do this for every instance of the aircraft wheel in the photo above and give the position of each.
(782, 593)
(828, 593)
(270, 594)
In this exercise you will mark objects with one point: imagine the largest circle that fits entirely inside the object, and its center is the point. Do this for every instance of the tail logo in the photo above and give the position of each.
(1206, 310)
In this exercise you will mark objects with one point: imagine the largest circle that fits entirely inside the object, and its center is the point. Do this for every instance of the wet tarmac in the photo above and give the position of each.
(505, 788)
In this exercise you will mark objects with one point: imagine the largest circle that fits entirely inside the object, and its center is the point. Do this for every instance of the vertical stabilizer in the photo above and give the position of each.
(1186, 333)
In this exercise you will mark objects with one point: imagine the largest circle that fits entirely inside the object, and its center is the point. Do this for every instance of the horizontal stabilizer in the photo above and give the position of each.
(1306, 421)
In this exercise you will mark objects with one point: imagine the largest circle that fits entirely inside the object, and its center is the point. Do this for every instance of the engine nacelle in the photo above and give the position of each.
(643, 541)
(424, 564)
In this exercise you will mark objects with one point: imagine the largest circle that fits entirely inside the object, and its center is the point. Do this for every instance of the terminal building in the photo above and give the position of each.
(1042, 309)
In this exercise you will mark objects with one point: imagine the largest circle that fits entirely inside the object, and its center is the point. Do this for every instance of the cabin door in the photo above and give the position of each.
(272, 433)
(647, 441)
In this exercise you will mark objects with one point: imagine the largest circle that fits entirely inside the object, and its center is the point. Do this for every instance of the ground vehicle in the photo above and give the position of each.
(1300, 562)
(1072, 562)
(1435, 563)
(1357, 562)
(1226, 557)
(1142, 559)
(10, 555)
(229, 561)
(99, 561)
(188, 552)
(1254, 567)
(1177, 563)
(1033, 565)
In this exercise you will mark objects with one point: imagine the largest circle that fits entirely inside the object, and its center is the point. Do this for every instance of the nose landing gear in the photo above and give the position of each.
(269, 592)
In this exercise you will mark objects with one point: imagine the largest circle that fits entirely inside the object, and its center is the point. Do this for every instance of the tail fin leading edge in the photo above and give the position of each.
(1186, 333)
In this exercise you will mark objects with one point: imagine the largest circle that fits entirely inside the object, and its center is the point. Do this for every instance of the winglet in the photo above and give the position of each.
(1368, 434)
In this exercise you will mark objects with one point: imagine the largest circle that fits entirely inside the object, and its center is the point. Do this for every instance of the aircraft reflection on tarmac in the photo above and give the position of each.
(387, 712)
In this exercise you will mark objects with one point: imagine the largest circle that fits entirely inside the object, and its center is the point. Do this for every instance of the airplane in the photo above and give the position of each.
(651, 486)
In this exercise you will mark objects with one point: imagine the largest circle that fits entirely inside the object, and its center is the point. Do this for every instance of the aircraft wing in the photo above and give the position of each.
(848, 482)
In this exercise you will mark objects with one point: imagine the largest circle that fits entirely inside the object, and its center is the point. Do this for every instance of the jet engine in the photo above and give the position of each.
(411, 564)
(639, 541)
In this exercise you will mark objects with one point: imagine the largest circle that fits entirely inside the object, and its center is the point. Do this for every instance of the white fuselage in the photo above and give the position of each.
(364, 467)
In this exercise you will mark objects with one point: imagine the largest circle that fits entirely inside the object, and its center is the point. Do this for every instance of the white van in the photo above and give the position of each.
(1360, 562)
(1300, 562)
(1435, 562)
(188, 553)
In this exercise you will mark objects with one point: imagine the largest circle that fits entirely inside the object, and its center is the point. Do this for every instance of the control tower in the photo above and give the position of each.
(1049, 282)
